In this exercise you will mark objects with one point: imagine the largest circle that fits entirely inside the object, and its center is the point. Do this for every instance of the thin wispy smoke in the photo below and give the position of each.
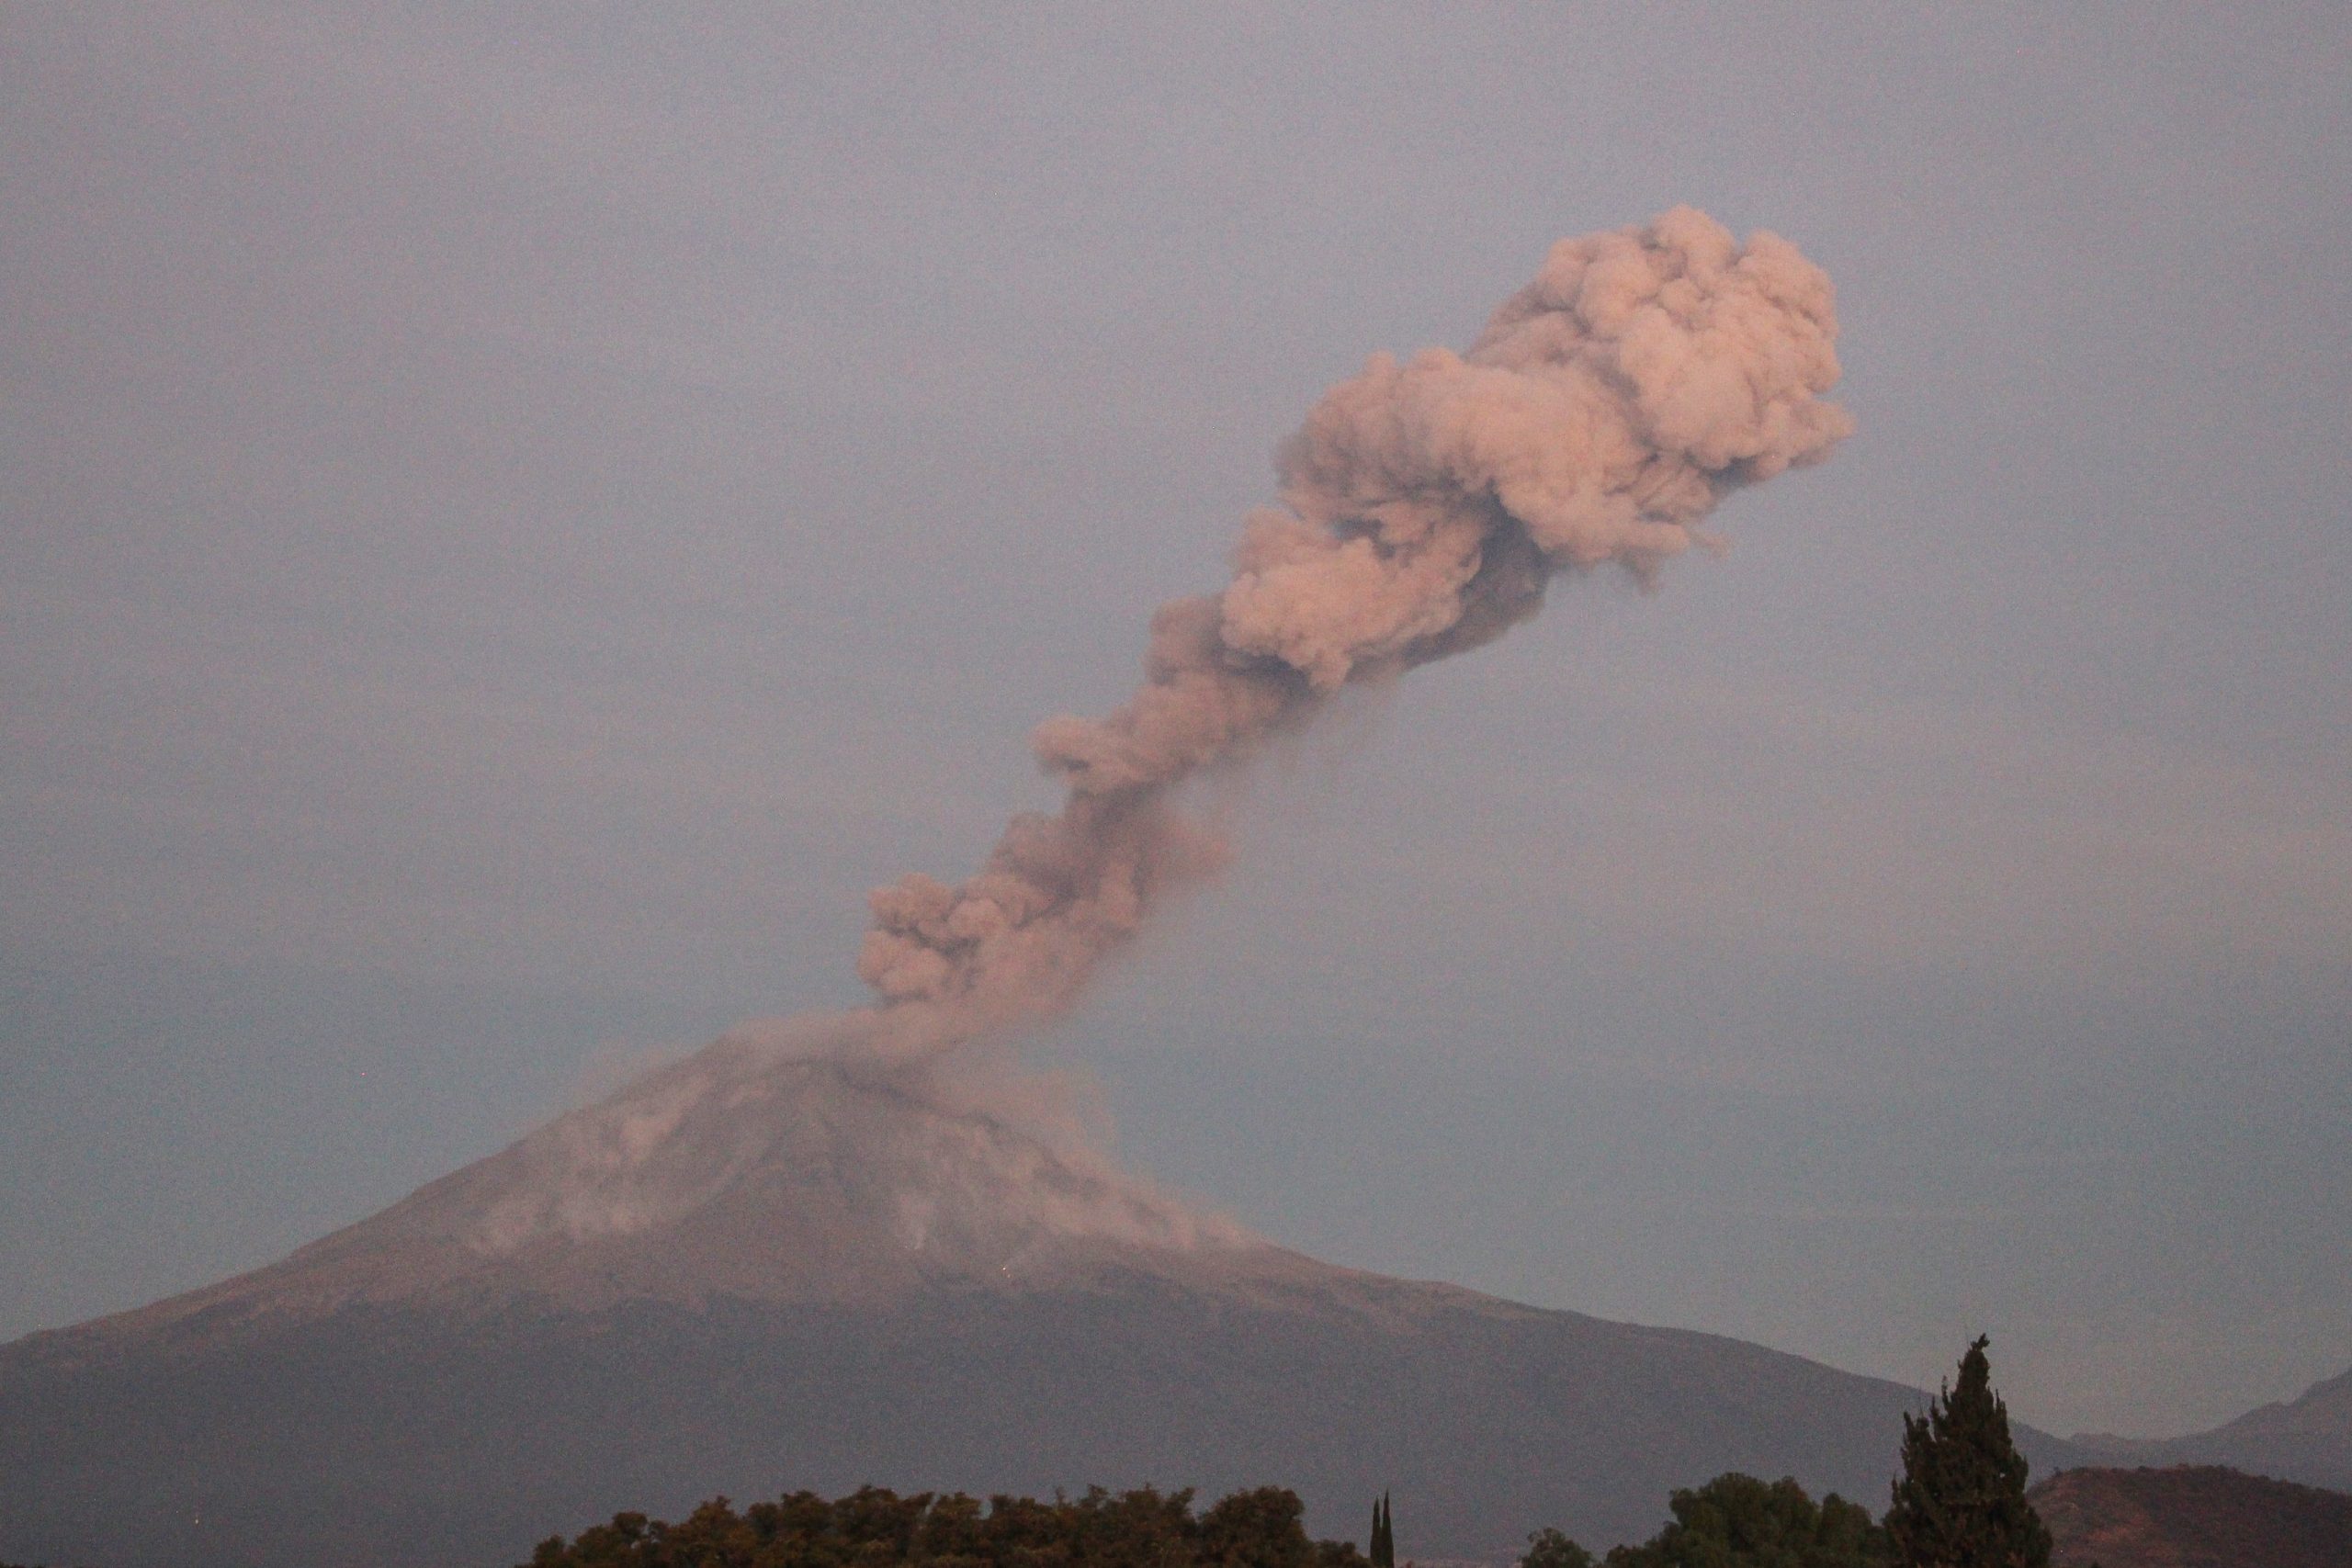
(1606, 409)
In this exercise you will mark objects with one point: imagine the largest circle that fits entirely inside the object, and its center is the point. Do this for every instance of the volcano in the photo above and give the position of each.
(823, 1253)
(788, 1262)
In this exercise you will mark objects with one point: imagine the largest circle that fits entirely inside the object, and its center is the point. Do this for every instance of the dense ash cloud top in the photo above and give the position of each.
(1602, 414)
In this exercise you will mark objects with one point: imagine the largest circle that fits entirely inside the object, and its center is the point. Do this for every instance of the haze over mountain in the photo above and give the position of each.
(788, 1261)
(2308, 1440)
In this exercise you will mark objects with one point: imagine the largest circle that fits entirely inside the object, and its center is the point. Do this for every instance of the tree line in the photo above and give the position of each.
(1959, 1503)
(875, 1528)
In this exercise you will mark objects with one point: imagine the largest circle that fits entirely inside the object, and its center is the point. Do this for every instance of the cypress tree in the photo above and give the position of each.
(1960, 1502)
(1384, 1535)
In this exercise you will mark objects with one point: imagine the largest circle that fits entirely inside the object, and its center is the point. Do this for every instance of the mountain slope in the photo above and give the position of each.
(2308, 1440)
(782, 1163)
(786, 1263)
(2192, 1517)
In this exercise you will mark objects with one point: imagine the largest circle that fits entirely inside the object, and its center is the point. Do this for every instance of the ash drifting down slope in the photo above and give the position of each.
(865, 1246)
(787, 1162)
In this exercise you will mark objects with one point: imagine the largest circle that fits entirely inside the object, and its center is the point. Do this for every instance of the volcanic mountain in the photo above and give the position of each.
(789, 1262)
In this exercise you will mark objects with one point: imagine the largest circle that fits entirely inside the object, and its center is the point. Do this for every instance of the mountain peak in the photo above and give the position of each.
(784, 1162)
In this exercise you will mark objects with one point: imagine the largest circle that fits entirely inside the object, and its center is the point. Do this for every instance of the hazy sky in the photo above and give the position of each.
(510, 520)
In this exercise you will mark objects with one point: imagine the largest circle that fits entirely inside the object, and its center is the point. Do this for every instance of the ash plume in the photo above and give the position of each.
(1424, 507)
(1602, 414)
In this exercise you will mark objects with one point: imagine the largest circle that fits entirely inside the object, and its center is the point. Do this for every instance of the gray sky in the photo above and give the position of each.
(511, 522)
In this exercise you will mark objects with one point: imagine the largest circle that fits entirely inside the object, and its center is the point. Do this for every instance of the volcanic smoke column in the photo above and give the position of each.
(1604, 411)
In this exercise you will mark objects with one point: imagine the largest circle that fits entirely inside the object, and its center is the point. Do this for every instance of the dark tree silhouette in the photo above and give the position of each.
(1548, 1548)
(1961, 1501)
(873, 1527)
(1736, 1521)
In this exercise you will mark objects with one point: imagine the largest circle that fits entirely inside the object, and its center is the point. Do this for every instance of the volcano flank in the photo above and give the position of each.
(785, 1262)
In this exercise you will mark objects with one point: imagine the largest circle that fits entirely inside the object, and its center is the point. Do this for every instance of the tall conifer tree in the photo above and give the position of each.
(1960, 1502)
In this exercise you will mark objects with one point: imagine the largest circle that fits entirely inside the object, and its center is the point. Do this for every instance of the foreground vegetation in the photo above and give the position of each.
(1960, 1504)
(1735, 1521)
(873, 1527)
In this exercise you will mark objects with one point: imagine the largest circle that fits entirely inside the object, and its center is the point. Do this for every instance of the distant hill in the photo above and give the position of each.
(2192, 1517)
(2308, 1440)
(779, 1265)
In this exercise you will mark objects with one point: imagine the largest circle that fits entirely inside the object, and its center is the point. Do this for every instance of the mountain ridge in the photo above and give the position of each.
(2306, 1439)
(782, 1162)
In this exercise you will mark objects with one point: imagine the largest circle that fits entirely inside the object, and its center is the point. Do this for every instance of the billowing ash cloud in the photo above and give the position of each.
(1602, 414)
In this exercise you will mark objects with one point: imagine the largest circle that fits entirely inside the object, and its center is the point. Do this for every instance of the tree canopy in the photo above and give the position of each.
(875, 1528)
(1737, 1521)
(1960, 1502)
